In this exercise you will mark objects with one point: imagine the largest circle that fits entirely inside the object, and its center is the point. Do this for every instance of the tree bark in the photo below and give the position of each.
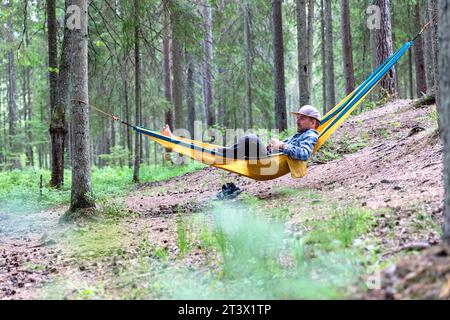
(207, 69)
(347, 47)
(124, 77)
(137, 80)
(428, 51)
(58, 125)
(57, 135)
(323, 56)
(81, 197)
(147, 142)
(444, 104)
(421, 80)
(303, 53)
(310, 33)
(329, 54)
(27, 94)
(190, 92)
(410, 92)
(177, 73)
(12, 105)
(166, 65)
(248, 44)
(383, 40)
(434, 38)
(3, 121)
(278, 63)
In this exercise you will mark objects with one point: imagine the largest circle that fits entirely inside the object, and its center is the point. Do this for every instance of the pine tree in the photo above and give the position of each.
(278, 62)
(81, 197)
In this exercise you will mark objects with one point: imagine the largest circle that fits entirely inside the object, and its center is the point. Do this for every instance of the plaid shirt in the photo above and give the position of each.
(301, 145)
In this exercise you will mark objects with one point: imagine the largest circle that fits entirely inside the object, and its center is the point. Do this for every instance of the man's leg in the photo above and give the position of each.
(251, 147)
(248, 147)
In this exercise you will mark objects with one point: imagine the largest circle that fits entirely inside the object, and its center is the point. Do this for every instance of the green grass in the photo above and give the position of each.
(95, 241)
(258, 260)
(182, 235)
(20, 188)
(349, 146)
(335, 150)
(341, 229)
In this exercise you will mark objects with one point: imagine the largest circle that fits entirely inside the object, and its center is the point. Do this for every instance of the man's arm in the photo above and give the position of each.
(302, 149)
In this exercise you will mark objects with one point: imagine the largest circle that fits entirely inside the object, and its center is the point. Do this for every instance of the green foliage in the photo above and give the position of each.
(117, 157)
(349, 146)
(20, 188)
(334, 150)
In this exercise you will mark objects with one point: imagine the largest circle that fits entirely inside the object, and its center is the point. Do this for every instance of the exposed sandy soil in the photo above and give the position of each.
(398, 169)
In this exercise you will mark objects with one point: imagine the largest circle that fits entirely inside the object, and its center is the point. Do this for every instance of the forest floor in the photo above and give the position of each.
(377, 188)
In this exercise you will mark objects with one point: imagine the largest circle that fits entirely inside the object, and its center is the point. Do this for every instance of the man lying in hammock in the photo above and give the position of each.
(297, 147)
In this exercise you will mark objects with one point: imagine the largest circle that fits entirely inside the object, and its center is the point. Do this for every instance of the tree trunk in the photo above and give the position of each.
(434, 38)
(310, 33)
(278, 63)
(190, 92)
(324, 63)
(329, 55)
(420, 61)
(383, 40)
(3, 121)
(12, 105)
(365, 42)
(25, 110)
(56, 113)
(347, 47)
(303, 53)
(137, 73)
(30, 117)
(81, 196)
(248, 44)
(40, 146)
(428, 51)
(410, 92)
(147, 142)
(444, 105)
(207, 70)
(113, 133)
(124, 77)
(166, 65)
(27, 95)
(58, 125)
(177, 72)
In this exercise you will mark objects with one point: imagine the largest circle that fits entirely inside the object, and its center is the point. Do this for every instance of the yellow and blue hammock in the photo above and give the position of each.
(276, 165)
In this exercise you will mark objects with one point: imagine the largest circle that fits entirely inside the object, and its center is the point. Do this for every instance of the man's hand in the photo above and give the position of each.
(275, 144)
